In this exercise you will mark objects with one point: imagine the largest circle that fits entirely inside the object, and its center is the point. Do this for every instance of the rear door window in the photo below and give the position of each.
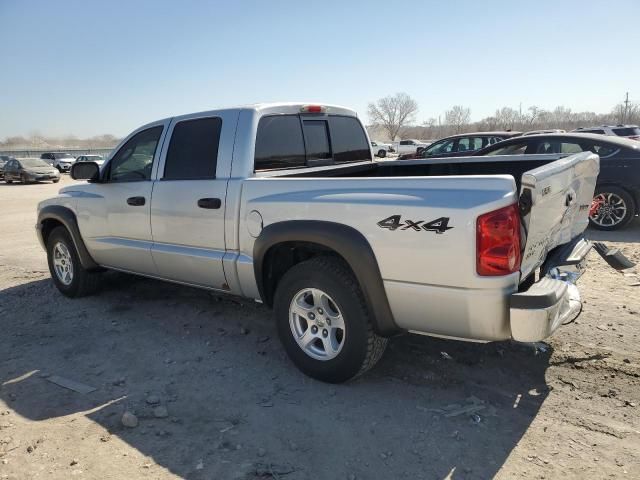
(512, 149)
(193, 150)
(316, 139)
(627, 131)
(279, 143)
(603, 150)
(348, 140)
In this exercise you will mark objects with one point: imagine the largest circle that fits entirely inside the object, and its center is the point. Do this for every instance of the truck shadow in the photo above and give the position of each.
(431, 408)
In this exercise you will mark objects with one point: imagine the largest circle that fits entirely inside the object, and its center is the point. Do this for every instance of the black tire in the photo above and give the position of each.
(83, 281)
(362, 347)
(59, 169)
(23, 179)
(382, 153)
(55, 180)
(8, 181)
(625, 197)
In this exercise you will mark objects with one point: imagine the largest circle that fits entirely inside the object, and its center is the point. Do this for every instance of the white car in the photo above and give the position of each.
(411, 146)
(381, 149)
(91, 158)
(60, 160)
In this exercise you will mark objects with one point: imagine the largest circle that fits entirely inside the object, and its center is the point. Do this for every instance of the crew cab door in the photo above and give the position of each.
(188, 203)
(554, 203)
(113, 215)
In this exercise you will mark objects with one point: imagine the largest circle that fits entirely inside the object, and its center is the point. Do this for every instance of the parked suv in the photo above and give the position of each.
(60, 160)
(284, 204)
(631, 132)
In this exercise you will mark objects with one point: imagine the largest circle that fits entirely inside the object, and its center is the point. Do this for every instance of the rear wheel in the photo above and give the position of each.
(68, 274)
(612, 208)
(382, 153)
(323, 321)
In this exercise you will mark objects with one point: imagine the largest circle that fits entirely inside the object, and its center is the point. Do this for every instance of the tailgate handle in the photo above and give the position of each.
(570, 199)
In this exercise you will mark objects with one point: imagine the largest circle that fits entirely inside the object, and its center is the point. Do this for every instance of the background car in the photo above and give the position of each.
(617, 195)
(381, 149)
(538, 132)
(460, 145)
(60, 160)
(411, 146)
(628, 131)
(3, 160)
(95, 158)
(28, 170)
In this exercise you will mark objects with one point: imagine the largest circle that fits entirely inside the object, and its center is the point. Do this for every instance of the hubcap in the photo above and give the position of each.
(317, 324)
(608, 209)
(62, 264)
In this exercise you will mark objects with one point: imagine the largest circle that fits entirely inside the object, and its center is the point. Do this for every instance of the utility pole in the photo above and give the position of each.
(626, 109)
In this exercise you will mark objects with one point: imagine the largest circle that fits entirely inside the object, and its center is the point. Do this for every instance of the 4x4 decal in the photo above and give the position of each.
(394, 222)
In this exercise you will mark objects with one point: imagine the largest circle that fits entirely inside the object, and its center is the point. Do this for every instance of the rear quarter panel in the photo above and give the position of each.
(406, 254)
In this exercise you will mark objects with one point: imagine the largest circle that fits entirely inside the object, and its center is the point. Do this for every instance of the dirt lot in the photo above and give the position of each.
(235, 407)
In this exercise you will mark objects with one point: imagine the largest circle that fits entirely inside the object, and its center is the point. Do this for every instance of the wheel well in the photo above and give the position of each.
(282, 256)
(47, 226)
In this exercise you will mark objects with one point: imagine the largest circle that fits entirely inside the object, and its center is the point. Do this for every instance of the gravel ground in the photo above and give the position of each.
(212, 395)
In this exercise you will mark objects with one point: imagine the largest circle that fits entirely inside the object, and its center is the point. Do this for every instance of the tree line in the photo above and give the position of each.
(394, 118)
(37, 141)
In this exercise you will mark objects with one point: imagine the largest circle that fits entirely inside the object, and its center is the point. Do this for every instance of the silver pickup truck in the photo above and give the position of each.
(283, 203)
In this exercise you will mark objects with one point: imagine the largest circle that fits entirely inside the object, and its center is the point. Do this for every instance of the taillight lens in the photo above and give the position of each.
(498, 242)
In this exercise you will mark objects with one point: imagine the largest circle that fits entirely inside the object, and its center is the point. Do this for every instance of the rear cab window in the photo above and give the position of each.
(296, 141)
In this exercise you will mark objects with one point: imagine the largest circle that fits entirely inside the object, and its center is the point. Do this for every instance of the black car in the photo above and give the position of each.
(617, 195)
(460, 145)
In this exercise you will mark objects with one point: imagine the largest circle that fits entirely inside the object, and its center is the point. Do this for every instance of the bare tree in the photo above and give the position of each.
(458, 117)
(393, 113)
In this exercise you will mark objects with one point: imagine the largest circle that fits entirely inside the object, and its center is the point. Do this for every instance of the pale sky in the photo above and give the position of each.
(89, 68)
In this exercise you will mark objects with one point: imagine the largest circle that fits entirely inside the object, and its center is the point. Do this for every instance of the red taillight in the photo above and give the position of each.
(498, 242)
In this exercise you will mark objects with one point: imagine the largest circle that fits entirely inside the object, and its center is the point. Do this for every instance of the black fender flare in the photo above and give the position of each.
(347, 242)
(68, 219)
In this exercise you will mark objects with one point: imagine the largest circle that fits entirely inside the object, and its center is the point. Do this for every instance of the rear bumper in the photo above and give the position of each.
(537, 313)
(555, 299)
(499, 313)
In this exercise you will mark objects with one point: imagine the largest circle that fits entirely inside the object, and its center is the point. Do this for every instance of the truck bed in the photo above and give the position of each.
(514, 165)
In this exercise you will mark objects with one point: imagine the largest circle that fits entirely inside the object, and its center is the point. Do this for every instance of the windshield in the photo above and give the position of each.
(33, 162)
(62, 155)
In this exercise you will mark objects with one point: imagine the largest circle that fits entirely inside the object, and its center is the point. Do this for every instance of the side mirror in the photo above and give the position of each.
(85, 171)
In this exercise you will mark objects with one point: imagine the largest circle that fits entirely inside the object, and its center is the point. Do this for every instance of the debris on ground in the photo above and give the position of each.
(71, 384)
(129, 420)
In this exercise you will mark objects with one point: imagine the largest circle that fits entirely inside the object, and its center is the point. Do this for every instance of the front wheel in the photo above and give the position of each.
(323, 321)
(68, 274)
(23, 179)
(612, 208)
(382, 153)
